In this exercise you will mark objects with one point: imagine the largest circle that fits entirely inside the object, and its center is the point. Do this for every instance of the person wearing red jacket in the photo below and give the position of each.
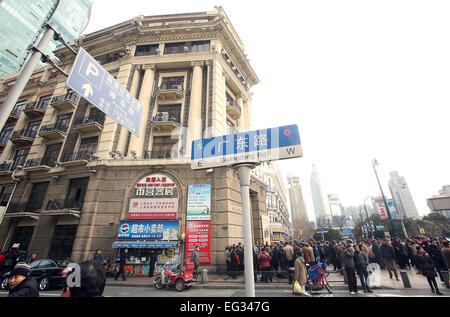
(264, 264)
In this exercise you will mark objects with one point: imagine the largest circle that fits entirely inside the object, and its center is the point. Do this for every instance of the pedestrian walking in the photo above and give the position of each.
(361, 263)
(445, 252)
(389, 258)
(153, 258)
(234, 260)
(349, 266)
(425, 263)
(434, 252)
(264, 265)
(21, 284)
(300, 274)
(195, 258)
(98, 256)
(122, 262)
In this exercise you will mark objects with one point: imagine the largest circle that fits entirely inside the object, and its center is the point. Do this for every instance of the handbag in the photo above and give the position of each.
(297, 289)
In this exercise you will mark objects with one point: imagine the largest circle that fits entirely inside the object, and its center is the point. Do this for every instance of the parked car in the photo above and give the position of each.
(47, 273)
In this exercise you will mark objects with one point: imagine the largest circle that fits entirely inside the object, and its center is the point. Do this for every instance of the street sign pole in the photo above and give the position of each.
(27, 71)
(244, 179)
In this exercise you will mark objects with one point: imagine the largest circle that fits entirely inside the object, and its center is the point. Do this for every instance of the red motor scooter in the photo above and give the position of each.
(173, 275)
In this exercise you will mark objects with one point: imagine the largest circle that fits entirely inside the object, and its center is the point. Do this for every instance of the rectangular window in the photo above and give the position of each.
(32, 129)
(62, 242)
(18, 108)
(77, 190)
(5, 195)
(43, 102)
(51, 154)
(37, 196)
(146, 50)
(173, 112)
(174, 48)
(63, 120)
(163, 147)
(5, 134)
(172, 82)
(20, 158)
(89, 145)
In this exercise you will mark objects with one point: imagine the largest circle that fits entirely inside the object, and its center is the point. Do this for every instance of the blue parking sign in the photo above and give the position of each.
(96, 85)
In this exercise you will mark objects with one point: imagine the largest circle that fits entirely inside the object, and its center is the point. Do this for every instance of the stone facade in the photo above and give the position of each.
(85, 190)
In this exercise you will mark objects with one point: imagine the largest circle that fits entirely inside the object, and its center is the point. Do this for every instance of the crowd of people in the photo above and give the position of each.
(428, 256)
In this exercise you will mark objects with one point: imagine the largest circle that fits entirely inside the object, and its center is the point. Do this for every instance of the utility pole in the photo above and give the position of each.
(374, 163)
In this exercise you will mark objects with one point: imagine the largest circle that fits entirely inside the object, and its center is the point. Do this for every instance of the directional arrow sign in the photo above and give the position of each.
(247, 147)
(96, 85)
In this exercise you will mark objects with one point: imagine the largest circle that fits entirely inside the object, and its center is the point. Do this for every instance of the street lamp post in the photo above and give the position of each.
(375, 163)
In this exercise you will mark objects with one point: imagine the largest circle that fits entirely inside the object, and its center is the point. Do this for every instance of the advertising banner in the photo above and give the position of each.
(153, 208)
(382, 211)
(199, 202)
(199, 233)
(155, 197)
(148, 230)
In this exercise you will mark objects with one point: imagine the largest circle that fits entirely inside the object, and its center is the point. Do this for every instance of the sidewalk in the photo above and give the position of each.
(336, 280)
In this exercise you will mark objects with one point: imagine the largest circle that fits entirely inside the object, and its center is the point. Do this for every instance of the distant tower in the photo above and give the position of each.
(320, 200)
(402, 196)
(298, 208)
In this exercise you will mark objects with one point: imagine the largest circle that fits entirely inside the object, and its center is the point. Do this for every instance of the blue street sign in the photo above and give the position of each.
(96, 85)
(247, 147)
(322, 230)
(346, 231)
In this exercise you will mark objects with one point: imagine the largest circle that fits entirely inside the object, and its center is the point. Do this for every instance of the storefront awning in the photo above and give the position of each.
(145, 244)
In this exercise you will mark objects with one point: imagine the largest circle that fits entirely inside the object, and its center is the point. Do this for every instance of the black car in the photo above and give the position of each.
(47, 273)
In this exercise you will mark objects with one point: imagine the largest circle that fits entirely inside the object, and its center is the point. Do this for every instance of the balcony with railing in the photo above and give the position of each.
(55, 131)
(63, 207)
(90, 124)
(35, 109)
(5, 168)
(28, 209)
(169, 91)
(40, 164)
(233, 109)
(14, 115)
(166, 121)
(23, 137)
(77, 158)
(68, 101)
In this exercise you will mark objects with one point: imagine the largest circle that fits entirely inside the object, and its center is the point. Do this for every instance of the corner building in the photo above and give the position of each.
(77, 181)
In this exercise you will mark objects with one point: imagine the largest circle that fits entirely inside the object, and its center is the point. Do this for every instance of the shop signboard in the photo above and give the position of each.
(166, 230)
(153, 208)
(199, 202)
(155, 197)
(199, 233)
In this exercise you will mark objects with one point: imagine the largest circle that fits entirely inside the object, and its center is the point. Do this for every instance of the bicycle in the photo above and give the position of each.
(317, 279)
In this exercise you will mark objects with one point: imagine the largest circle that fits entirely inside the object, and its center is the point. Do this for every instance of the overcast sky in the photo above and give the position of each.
(361, 79)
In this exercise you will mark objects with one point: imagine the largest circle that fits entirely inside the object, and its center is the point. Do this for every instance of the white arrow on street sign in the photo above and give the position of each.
(87, 90)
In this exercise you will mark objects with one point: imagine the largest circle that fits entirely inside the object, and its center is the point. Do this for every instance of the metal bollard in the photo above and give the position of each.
(445, 277)
(405, 279)
(204, 276)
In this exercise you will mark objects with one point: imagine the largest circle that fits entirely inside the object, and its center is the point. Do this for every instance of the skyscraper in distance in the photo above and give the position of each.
(22, 23)
(298, 208)
(402, 196)
(320, 200)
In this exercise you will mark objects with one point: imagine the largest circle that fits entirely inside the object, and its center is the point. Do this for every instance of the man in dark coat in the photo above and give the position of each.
(376, 249)
(400, 253)
(425, 263)
(389, 258)
(438, 261)
(20, 282)
(122, 261)
(153, 258)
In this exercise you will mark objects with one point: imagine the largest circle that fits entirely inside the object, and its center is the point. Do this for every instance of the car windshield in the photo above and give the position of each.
(35, 264)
